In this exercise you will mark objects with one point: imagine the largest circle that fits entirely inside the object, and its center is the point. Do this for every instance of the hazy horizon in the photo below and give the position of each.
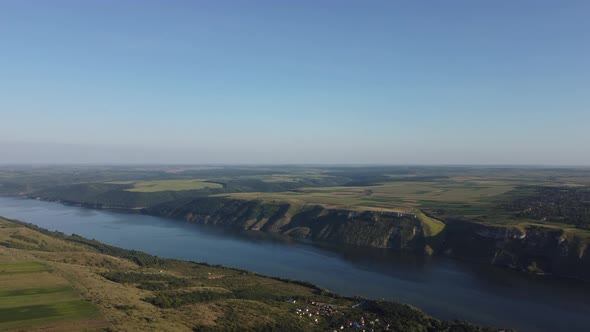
(52, 154)
(273, 82)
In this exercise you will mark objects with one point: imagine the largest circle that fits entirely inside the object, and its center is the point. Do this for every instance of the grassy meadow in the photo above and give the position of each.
(25, 267)
(169, 185)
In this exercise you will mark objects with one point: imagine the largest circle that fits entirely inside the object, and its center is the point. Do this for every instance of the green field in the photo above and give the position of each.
(402, 196)
(23, 267)
(170, 185)
(46, 314)
(23, 303)
(431, 226)
(36, 296)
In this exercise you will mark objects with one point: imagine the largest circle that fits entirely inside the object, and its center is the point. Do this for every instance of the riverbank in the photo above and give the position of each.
(531, 249)
(442, 287)
(138, 291)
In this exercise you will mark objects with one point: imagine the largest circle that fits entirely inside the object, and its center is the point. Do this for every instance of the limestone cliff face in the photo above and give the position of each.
(372, 229)
(499, 233)
(533, 249)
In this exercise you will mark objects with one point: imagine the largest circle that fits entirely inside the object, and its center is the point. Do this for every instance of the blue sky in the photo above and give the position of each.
(400, 82)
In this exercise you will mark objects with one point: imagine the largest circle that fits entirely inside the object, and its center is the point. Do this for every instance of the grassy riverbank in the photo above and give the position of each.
(86, 285)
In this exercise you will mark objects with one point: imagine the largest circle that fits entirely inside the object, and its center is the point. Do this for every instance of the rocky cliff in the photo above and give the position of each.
(373, 229)
(533, 249)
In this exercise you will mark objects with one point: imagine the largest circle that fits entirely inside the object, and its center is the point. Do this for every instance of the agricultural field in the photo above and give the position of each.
(491, 195)
(33, 295)
(398, 196)
(169, 185)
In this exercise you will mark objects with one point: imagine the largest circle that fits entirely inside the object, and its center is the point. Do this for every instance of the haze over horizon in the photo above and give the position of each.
(259, 82)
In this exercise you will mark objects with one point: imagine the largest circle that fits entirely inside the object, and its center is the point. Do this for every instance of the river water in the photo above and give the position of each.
(444, 288)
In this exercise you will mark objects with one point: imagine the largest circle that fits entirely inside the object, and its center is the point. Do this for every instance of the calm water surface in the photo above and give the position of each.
(445, 288)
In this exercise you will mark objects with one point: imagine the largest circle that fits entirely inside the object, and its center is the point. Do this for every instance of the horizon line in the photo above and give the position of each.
(174, 164)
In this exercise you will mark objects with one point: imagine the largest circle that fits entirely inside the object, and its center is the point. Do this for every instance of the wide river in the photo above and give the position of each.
(445, 288)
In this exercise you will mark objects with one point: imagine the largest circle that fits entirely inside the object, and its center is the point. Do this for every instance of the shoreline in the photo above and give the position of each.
(330, 245)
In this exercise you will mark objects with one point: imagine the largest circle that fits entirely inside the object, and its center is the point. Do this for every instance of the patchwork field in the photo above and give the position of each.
(33, 295)
(298, 177)
(514, 196)
(169, 185)
(403, 196)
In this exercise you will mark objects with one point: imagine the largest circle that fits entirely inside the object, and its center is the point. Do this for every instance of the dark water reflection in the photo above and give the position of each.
(443, 287)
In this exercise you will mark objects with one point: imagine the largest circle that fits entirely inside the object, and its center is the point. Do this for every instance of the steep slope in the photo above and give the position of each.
(370, 228)
(532, 249)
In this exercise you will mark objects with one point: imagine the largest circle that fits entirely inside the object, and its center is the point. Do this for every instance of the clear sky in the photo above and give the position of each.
(400, 82)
